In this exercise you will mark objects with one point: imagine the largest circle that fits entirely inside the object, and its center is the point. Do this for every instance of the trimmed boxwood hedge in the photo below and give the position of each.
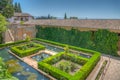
(61, 75)
(63, 45)
(45, 65)
(13, 43)
(23, 53)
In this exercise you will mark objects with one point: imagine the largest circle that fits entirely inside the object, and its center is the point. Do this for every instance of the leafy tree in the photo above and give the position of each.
(6, 8)
(4, 74)
(73, 17)
(3, 25)
(8, 11)
(3, 4)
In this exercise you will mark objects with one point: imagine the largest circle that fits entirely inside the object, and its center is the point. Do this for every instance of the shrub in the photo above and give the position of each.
(28, 38)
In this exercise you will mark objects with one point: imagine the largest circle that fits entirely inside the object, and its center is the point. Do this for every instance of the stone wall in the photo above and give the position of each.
(20, 32)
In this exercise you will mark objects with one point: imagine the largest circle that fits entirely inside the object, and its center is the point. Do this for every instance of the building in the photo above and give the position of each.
(18, 17)
(20, 31)
(81, 24)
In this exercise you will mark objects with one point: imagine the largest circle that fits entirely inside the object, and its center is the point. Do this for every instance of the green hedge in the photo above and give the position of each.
(87, 68)
(51, 42)
(101, 40)
(75, 58)
(13, 43)
(60, 75)
(27, 52)
(45, 65)
(63, 45)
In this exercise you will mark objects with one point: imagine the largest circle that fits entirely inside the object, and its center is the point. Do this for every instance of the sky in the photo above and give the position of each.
(92, 9)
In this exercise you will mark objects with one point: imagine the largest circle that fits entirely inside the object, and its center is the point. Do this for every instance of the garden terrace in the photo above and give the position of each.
(79, 67)
(27, 49)
(47, 65)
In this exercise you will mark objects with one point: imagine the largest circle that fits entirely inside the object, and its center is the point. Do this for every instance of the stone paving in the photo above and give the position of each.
(34, 63)
(95, 71)
(113, 72)
(31, 62)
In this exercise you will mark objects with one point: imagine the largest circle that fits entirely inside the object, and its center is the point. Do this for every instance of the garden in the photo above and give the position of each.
(12, 67)
(64, 65)
(69, 66)
(27, 49)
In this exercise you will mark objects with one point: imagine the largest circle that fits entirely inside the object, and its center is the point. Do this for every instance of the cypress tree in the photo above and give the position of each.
(49, 16)
(19, 8)
(65, 16)
(16, 7)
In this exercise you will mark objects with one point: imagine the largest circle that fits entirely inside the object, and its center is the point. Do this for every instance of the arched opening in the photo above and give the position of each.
(21, 19)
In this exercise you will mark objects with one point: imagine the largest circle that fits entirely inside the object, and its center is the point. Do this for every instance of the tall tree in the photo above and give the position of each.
(49, 16)
(6, 8)
(3, 25)
(16, 7)
(8, 11)
(65, 16)
(19, 8)
(3, 4)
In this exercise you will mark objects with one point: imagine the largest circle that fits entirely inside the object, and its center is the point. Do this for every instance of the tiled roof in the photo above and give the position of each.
(83, 23)
(21, 14)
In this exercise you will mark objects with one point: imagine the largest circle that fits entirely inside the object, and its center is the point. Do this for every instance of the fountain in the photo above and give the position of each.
(18, 73)
(27, 69)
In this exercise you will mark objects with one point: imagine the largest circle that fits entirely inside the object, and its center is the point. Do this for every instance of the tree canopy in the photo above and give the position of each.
(6, 8)
(3, 23)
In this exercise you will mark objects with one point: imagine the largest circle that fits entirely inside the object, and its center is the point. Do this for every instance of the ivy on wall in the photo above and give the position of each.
(102, 40)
